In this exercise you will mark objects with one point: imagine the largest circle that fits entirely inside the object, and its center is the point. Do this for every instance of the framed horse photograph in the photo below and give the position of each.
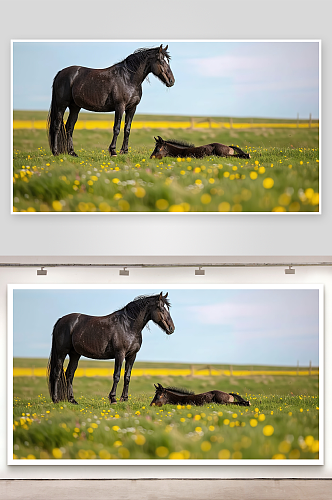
(166, 374)
(226, 127)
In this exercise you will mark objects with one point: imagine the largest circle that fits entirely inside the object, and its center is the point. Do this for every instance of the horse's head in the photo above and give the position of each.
(160, 150)
(160, 398)
(160, 314)
(160, 66)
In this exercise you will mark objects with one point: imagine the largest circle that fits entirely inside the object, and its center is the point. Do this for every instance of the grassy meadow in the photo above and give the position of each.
(282, 174)
(281, 423)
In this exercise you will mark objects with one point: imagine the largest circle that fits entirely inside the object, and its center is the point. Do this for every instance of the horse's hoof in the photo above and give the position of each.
(72, 153)
(73, 401)
(113, 401)
(123, 152)
(123, 399)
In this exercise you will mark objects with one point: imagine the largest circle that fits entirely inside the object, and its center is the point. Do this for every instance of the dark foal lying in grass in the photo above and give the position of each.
(174, 396)
(186, 150)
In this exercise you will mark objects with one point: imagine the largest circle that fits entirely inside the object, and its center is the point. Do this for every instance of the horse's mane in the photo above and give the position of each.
(180, 390)
(134, 60)
(183, 144)
(135, 306)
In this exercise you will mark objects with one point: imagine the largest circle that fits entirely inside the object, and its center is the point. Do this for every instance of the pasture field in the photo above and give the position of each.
(281, 176)
(281, 423)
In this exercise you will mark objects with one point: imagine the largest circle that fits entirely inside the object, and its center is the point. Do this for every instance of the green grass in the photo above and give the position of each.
(134, 183)
(282, 421)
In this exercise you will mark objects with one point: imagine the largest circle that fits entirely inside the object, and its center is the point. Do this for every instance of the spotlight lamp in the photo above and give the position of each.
(124, 272)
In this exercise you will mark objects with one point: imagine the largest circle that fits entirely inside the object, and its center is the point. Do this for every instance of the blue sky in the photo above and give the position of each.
(238, 79)
(234, 326)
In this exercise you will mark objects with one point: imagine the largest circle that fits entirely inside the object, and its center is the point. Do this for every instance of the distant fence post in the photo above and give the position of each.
(210, 122)
(231, 122)
(192, 370)
(231, 370)
(310, 369)
(210, 370)
(297, 121)
(310, 120)
(192, 123)
(297, 369)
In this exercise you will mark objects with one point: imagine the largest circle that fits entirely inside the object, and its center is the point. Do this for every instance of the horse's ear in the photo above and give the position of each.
(161, 48)
(155, 139)
(166, 47)
(165, 296)
(161, 296)
(155, 386)
(160, 139)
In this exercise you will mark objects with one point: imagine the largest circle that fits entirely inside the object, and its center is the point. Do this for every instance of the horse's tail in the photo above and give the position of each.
(240, 153)
(239, 399)
(61, 146)
(51, 372)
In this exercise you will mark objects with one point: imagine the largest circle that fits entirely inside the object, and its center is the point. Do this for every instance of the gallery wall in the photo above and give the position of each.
(163, 278)
(166, 234)
(170, 235)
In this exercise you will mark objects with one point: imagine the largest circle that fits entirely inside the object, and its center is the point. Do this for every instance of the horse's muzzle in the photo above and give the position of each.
(170, 83)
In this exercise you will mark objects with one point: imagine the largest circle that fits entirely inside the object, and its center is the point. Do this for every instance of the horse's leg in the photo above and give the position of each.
(70, 124)
(129, 364)
(59, 389)
(70, 372)
(59, 146)
(116, 129)
(116, 376)
(129, 118)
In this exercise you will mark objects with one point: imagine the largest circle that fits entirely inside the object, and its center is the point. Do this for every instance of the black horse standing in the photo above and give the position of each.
(117, 88)
(116, 336)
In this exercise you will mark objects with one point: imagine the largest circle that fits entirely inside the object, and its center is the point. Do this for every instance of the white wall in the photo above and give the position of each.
(169, 234)
(179, 235)
(305, 275)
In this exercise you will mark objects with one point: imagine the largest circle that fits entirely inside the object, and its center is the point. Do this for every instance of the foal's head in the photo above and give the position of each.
(160, 150)
(160, 398)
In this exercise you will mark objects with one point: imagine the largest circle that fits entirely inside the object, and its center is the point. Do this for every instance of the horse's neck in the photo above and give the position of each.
(175, 397)
(176, 151)
(141, 73)
(141, 320)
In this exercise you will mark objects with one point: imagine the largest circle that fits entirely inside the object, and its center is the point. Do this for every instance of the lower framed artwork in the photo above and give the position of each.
(234, 378)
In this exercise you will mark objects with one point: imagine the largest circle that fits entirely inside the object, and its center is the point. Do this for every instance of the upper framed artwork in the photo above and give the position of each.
(226, 127)
(235, 377)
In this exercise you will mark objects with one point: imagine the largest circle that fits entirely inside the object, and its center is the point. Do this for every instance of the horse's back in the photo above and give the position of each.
(66, 322)
(67, 75)
(222, 397)
(221, 149)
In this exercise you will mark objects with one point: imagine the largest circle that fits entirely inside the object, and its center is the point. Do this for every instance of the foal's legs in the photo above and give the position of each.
(70, 372)
(116, 129)
(70, 124)
(129, 364)
(129, 118)
(116, 376)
